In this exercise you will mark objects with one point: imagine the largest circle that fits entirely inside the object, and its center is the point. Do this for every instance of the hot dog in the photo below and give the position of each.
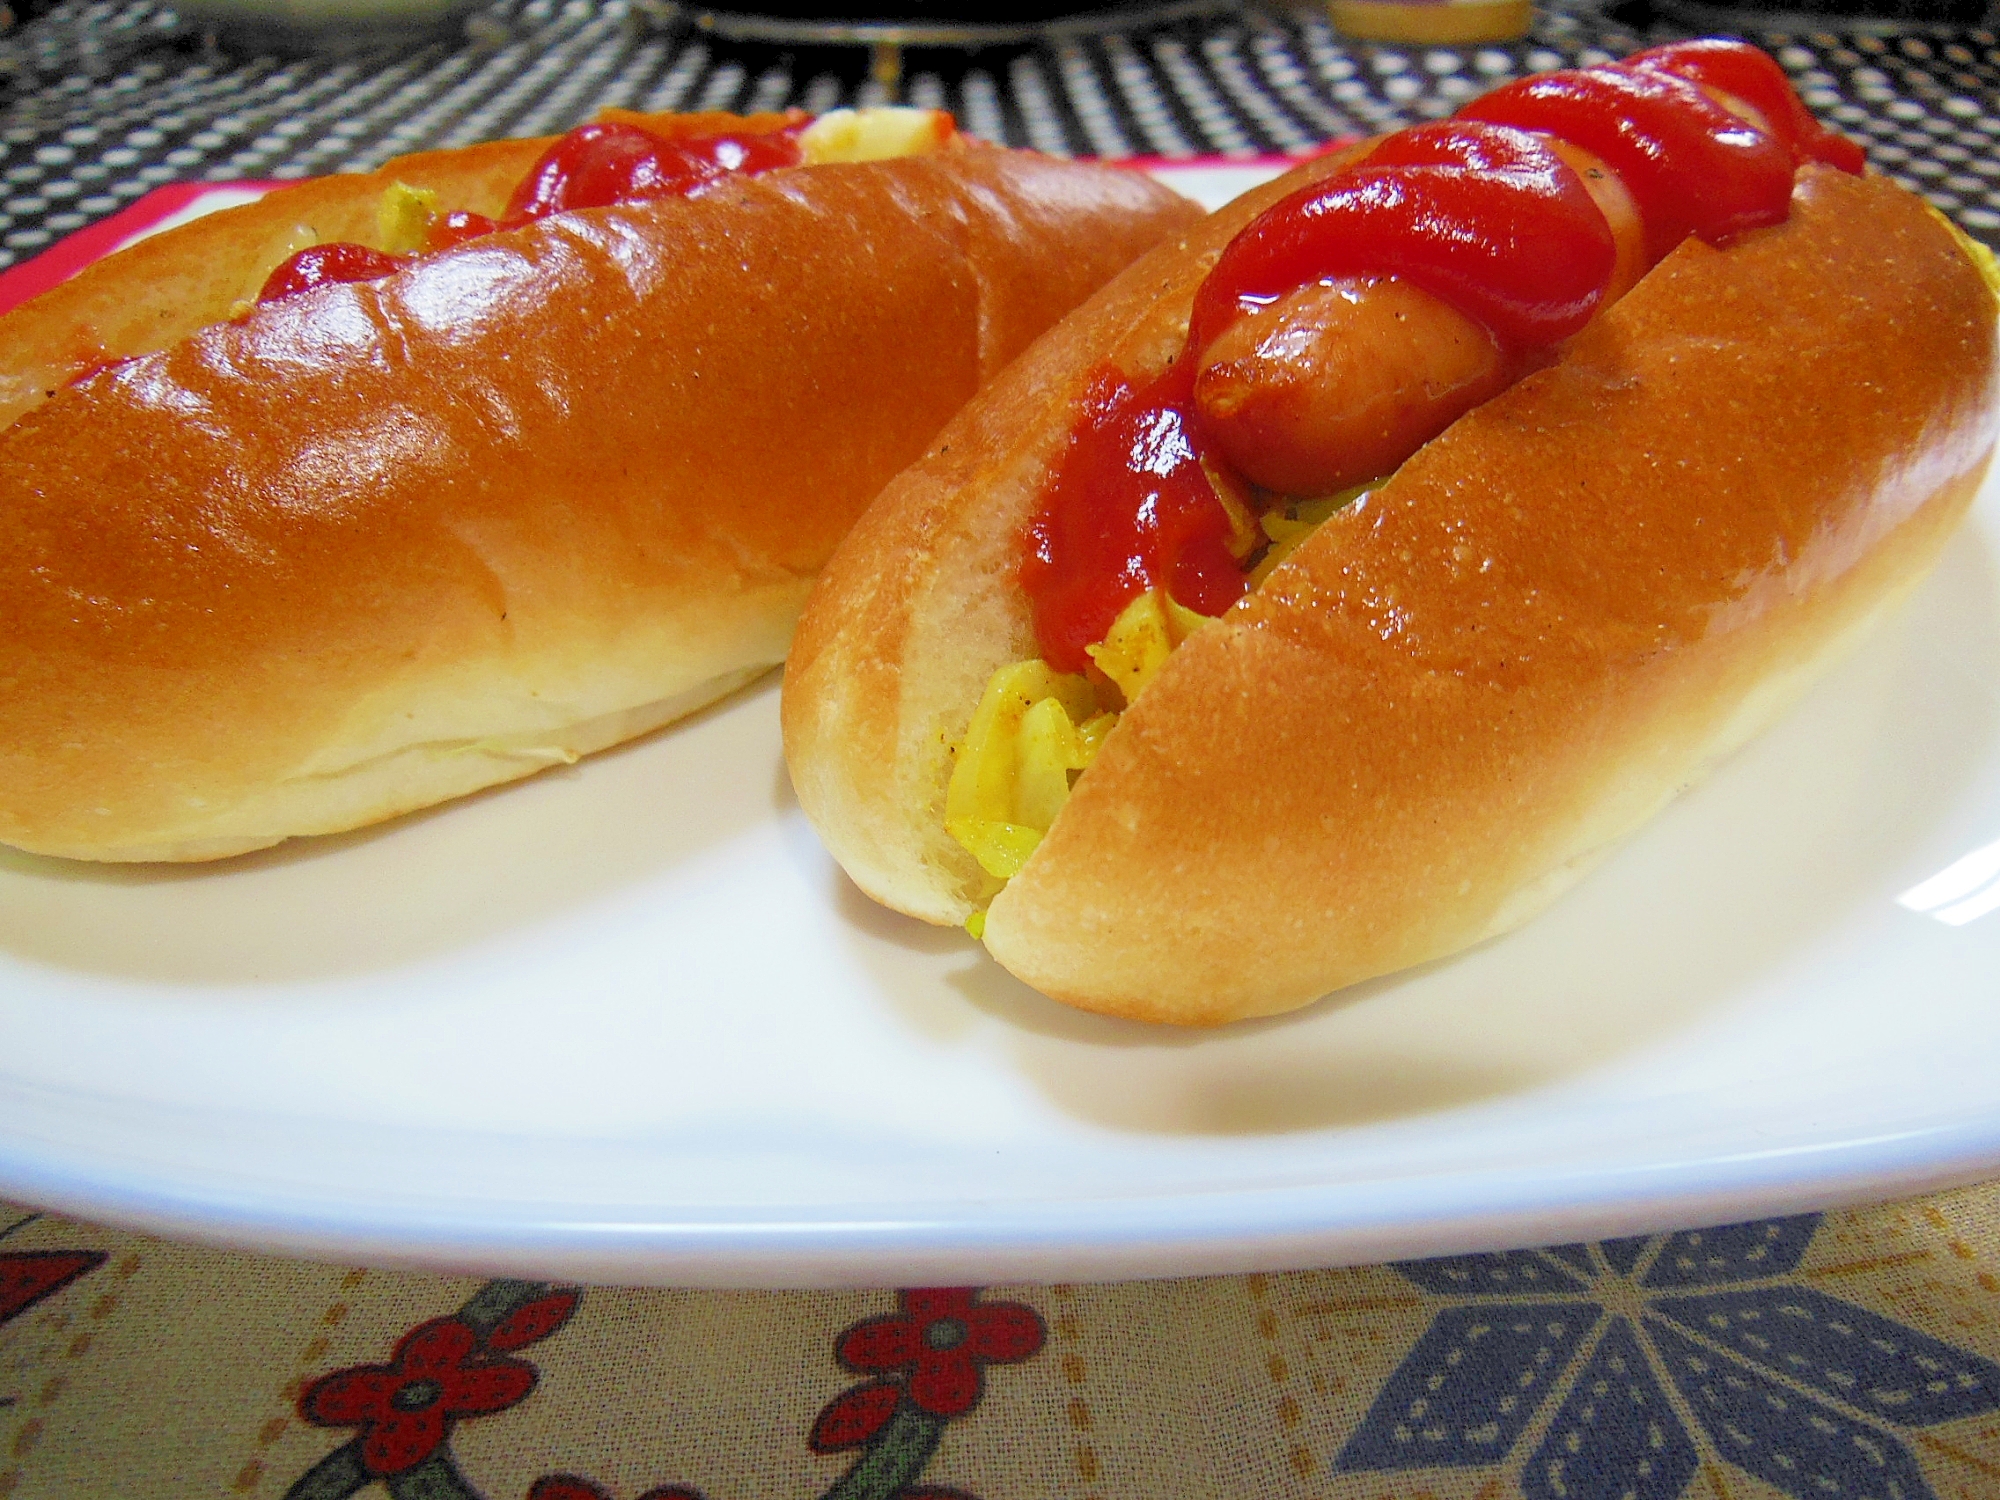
(388, 488)
(1188, 743)
(1614, 168)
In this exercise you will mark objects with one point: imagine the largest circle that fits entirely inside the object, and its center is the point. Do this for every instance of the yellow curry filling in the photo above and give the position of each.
(1036, 729)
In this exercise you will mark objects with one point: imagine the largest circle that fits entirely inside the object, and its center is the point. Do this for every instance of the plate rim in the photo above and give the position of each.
(1259, 1230)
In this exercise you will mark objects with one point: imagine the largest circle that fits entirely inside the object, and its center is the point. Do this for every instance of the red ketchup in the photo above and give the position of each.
(456, 227)
(338, 261)
(1533, 271)
(594, 166)
(1755, 78)
(1128, 509)
(1478, 211)
(1690, 165)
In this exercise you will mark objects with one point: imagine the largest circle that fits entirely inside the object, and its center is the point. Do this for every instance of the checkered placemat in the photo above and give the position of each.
(109, 99)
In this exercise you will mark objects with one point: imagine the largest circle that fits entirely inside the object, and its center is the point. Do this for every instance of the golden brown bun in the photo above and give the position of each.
(1462, 691)
(383, 544)
(157, 292)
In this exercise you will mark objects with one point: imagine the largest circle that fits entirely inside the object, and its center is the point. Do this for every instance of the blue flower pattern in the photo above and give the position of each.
(1656, 1349)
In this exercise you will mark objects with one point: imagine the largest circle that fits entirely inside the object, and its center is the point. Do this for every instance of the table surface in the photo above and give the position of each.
(1851, 1353)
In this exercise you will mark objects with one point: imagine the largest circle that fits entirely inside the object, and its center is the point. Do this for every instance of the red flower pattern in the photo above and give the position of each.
(405, 1408)
(565, 1487)
(931, 1354)
(27, 1276)
(571, 1487)
(854, 1416)
(938, 1344)
(534, 1321)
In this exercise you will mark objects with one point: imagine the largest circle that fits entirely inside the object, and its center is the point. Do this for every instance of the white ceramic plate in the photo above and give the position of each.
(627, 1022)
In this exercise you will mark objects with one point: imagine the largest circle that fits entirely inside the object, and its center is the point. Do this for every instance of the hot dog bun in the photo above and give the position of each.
(158, 291)
(382, 544)
(1461, 691)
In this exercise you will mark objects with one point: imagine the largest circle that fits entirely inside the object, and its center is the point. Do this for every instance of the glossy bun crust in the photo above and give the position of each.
(155, 293)
(1461, 692)
(379, 545)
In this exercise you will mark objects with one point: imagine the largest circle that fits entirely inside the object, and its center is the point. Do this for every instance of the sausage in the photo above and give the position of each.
(1337, 382)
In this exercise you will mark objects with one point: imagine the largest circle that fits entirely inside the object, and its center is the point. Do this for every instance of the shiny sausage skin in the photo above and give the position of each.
(1339, 381)
(1336, 383)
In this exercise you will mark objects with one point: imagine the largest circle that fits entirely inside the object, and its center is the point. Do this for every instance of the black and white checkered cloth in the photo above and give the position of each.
(106, 99)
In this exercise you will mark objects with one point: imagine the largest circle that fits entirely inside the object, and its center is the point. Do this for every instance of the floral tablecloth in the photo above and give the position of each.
(1818, 1356)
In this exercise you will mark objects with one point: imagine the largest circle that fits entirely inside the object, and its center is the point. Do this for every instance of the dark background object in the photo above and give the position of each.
(941, 13)
(1934, 15)
(103, 100)
(222, 28)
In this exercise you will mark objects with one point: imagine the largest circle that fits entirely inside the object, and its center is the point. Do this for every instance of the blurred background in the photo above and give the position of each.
(103, 100)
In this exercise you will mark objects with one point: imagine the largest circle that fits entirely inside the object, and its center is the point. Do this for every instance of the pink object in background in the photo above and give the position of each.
(162, 208)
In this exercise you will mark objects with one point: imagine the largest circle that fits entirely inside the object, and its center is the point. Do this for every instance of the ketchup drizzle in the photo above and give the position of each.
(594, 166)
(1691, 165)
(1534, 275)
(338, 260)
(1128, 509)
(1477, 211)
(1755, 77)
(456, 227)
